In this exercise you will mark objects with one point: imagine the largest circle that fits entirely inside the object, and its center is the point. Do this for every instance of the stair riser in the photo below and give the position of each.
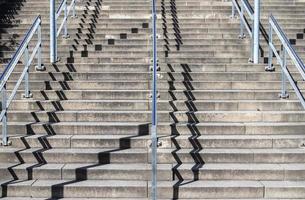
(75, 142)
(163, 106)
(162, 129)
(146, 117)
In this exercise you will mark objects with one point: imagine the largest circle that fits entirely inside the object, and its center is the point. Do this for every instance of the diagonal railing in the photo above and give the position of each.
(54, 31)
(286, 50)
(23, 50)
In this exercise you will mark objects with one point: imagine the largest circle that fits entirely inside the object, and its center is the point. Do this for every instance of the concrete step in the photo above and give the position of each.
(178, 105)
(91, 68)
(144, 85)
(213, 189)
(165, 156)
(182, 141)
(75, 155)
(232, 189)
(169, 80)
(223, 171)
(202, 156)
(164, 116)
(80, 171)
(81, 189)
(164, 95)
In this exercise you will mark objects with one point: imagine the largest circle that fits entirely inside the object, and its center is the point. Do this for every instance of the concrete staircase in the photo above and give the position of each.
(224, 132)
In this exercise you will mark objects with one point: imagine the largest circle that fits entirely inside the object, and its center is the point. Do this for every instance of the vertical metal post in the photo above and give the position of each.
(256, 32)
(39, 66)
(242, 35)
(39, 49)
(284, 93)
(73, 12)
(66, 20)
(4, 119)
(252, 45)
(233, 10)
(26, 76)
(270, 56)
(53, 32)
(154, 144)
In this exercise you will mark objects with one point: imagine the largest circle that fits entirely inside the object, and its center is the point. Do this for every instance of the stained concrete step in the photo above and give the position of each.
(127, 128)
(164, 95)
(67, 69)
(232, 189)
(232, 128)
(224, 171)
(28, 198)
(76, 155)
(84, 141)
(179, 105)
(138, 171)
(198, 156)
(164, 116)
(144, 85)
(165, 156)
(236, 141)
(182, 141)
(81, 171)
(78, 189)
(174, 80)
(212, 189)
(90, 128)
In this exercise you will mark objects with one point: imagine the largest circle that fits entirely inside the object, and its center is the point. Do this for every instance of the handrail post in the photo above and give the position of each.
(73, 12)
(251, 59)
(256, 32)
(53, 32)
(27, 93)
(242, 35)
(40, 66)
(284, 94)
(154, 143)
(4, 119)
(270, 56)
(233, 10)
(66, 35)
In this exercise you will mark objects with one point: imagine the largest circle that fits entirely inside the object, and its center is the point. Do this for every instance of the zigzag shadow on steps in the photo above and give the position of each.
(38, 154)
(8, 10)
(193, 139)
(189, 104)
(104, 158)
(89, 37)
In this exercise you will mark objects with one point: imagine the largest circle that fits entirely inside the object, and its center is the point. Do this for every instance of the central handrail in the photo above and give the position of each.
(23, 50)
(154, 95)
(282, 59)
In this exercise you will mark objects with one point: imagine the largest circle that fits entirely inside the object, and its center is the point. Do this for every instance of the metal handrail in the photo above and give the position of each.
(252, 30)
(154, 95)
(64, 6)
(23, 50)
(54, 16)
(243, 21)
(282, 59)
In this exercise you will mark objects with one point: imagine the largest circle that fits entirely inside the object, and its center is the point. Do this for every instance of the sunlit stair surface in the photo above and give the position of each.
(224, 133)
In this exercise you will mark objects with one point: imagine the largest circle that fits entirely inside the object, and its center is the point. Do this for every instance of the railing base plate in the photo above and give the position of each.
(284, 96)
(66, 36)
(39, 69)
(270, 69)
(9, 143)
(25, 97)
